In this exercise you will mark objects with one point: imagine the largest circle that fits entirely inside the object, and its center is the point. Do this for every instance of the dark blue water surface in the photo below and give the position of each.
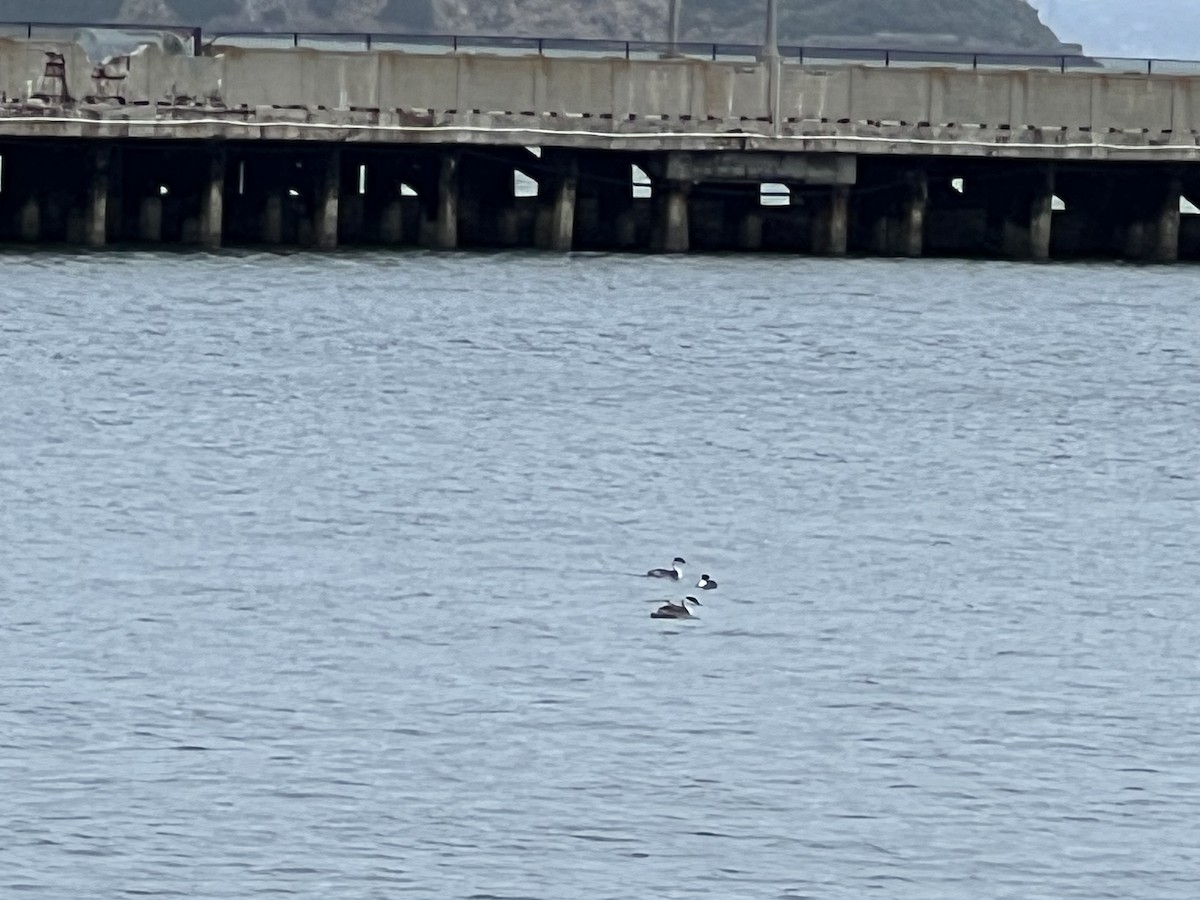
(316, 578)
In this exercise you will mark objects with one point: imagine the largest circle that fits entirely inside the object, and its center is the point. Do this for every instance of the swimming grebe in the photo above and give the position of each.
(674, 573)
(706, 584)
(676, 610)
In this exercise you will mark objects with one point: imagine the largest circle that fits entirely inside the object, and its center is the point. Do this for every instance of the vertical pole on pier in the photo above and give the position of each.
(1166, 237)
(673, 28)
(1041, 215)
(912, 223)
(447, 202)
(562, 221)
(212, 201)
(770, 56)
(328, 203)
(96, 234)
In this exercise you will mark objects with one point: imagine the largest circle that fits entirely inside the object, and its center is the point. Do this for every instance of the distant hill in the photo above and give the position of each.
(976, 24)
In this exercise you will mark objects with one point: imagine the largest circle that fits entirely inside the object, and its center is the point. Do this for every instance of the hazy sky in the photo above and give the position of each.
(1158, 28)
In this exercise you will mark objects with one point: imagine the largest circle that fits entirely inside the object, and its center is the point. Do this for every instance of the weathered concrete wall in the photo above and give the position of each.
(392, 97)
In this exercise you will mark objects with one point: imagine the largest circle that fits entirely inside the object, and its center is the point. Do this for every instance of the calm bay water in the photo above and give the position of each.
(317, 577)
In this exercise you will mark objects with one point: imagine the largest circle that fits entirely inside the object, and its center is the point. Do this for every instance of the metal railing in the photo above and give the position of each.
(725, 52)
(194, 42)
(189, 36)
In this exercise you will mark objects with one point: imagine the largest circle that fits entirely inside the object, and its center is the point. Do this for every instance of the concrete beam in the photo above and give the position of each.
(750, 167)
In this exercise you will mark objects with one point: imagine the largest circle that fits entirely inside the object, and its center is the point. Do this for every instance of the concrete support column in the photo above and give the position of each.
(329, 201)
(212, 201)
(562, 218)
(272, 227)
(912, 215)
(29, 223)
(150, 219)
(1041, 215)
(675, 225)
(1166, 244)
(839, 220)
(446, 237)
(831, 226)
(96, 223)
(391, 221)
(750, 230)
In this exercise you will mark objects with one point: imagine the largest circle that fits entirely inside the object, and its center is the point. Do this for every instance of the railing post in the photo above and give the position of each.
(1150, 67)
(295, 39)
(1062, 64)
(540, 46)
(454, 43)
(974, 60)
(887, 58)
(627, 49)
(368, 37)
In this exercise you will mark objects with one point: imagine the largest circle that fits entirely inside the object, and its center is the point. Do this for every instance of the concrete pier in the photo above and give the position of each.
(323, 148)
(212, 194)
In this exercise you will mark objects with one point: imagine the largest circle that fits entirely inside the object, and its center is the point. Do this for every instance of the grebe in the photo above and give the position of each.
(674, 573)
(676, 611)
(706, 584)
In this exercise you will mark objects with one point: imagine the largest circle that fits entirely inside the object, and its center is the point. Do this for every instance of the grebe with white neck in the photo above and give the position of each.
(674, 573)
(706, 584)
(676, 610)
